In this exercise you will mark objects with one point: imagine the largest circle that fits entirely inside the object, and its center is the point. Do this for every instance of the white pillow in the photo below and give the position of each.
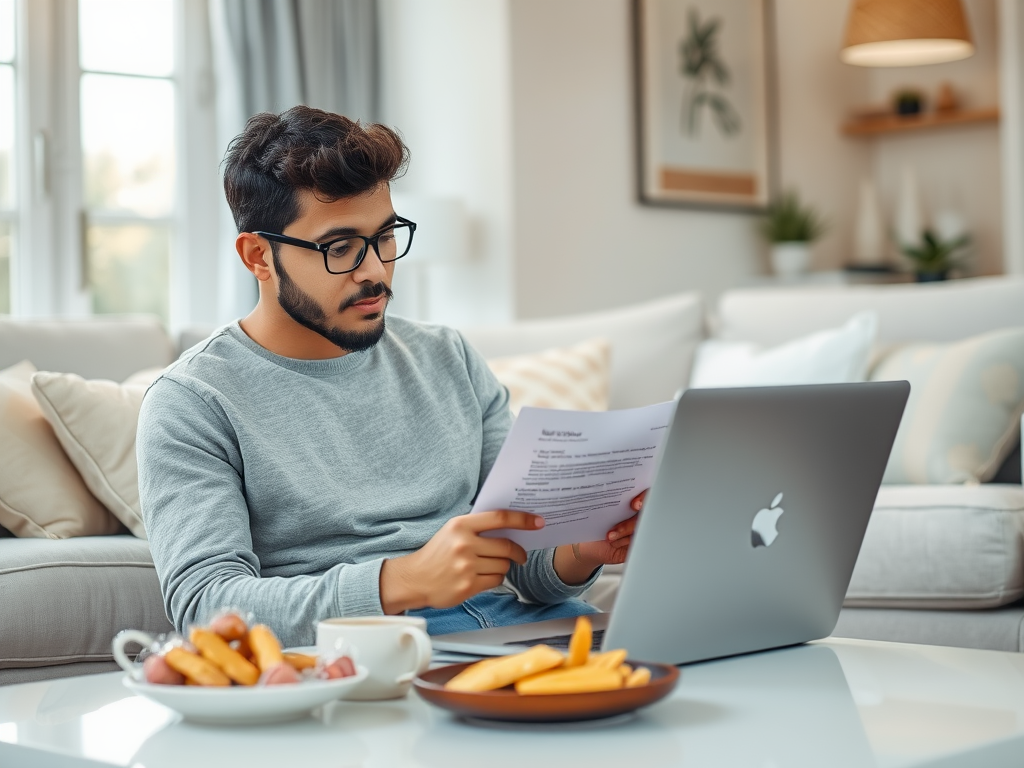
(570, 378)
(835, 356)
(95, 422)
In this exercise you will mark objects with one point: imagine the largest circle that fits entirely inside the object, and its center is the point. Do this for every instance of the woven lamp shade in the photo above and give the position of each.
(902, 33)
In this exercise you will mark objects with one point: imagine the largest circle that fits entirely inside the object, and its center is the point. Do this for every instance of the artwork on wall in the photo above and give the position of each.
(703, 120)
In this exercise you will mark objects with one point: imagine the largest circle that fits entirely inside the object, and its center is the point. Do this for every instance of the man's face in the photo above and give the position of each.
(346, 309)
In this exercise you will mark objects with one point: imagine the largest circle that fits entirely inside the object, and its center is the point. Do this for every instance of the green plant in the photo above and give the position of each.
(788, 220)
(701, 60)
(932, 255)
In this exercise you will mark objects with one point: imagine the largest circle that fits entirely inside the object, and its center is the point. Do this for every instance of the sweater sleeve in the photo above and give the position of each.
(194, 507)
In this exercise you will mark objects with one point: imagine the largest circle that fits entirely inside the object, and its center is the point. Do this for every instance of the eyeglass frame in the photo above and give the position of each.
(323, 248)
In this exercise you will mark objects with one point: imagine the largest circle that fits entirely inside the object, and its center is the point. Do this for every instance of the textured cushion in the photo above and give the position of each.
(834, 356)
(95, 422)
(963, 416)
(96, 348)
(63, 601)
(41, 493)
(942, 547)
(571, 378)
(652, 344)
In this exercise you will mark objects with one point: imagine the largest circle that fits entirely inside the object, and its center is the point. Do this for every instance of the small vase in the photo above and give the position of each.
(791, 259)
(932, 277)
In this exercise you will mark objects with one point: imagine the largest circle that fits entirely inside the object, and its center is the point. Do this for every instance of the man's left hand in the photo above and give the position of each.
(612, 550)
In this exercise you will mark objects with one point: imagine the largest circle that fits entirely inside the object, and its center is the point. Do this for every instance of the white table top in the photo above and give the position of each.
(833, 703)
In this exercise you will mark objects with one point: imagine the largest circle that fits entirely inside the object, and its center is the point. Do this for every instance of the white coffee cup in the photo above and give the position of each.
(393, 648)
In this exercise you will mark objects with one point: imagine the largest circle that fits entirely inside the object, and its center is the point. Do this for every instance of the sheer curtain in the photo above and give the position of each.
(270, 55)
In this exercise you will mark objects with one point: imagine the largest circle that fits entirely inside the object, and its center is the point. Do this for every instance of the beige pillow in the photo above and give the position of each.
(963, 416)
(570, 378)
(41, 493)
(95, 422)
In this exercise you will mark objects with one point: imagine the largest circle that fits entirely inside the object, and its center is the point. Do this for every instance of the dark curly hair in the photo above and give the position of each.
(304, 149)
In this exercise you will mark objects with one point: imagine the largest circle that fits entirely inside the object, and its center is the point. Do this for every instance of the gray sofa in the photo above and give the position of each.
(61, 601)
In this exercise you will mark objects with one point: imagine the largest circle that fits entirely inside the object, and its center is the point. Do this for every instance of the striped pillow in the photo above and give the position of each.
(963, 416)
(570, 378)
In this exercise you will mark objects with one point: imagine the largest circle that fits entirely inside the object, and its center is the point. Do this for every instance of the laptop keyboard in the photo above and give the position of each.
(561, 641)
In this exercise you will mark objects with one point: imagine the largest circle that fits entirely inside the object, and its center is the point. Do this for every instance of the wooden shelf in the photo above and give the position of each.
(901, 123)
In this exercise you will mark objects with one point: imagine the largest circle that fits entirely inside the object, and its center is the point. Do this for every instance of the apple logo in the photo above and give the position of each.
(763, 531)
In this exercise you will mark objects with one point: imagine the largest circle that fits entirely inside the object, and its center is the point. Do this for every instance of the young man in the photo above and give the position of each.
(313, 461)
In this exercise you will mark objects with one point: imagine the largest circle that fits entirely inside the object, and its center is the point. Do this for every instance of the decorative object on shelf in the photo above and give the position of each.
(790, 227)
(905, 33)
(946, 100)
(934, 257)
(869, 241)
(909, 220)
(702, 102)
(908, 101)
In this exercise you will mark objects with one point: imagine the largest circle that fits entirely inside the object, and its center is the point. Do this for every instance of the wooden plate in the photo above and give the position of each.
(506, 704)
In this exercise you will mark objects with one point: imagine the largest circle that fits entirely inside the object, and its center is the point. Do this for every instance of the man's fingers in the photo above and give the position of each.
(625, 528)
(492, 566)
(496, 519)
(638, 501)
(503, 548)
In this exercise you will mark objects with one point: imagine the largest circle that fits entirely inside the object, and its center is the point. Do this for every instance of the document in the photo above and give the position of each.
(578, 469)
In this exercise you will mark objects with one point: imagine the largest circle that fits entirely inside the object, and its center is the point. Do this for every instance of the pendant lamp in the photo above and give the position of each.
(904, 33)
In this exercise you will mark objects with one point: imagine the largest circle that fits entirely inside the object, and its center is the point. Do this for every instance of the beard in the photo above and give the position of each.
(301, 307)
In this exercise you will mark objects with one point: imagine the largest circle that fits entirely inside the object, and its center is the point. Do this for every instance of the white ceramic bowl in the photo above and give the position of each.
(244, 705)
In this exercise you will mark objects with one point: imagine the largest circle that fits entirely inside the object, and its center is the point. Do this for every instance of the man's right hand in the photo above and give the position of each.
(456, 563)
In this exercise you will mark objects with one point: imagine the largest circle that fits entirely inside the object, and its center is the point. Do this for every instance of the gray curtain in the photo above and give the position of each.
(270, 55)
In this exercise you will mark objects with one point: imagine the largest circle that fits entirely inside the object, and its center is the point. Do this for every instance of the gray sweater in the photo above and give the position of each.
(279, 486)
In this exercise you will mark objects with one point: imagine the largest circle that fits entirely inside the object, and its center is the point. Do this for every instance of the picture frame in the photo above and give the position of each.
(704, 103)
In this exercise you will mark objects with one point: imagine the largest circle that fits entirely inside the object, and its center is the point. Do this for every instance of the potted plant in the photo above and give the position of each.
(790, 227)
(933, 257)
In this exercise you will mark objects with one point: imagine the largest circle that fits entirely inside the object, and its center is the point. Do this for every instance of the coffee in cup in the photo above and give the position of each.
(394, 649)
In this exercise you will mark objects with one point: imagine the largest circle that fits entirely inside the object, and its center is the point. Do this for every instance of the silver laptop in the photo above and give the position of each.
(750, 532)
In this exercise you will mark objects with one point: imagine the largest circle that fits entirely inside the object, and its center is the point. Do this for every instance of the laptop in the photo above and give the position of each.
(750, 532)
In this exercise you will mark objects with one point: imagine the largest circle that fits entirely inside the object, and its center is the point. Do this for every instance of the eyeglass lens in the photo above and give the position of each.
(343, 255)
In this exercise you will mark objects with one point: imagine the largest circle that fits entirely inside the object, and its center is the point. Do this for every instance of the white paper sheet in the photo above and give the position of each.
(578, 469)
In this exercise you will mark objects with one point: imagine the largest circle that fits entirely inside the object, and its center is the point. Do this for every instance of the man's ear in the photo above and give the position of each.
(254, 252)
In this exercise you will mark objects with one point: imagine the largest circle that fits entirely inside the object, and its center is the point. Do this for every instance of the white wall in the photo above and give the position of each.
(446, 88)
(582, 240)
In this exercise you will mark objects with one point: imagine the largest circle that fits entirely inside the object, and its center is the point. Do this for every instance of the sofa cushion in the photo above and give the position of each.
(63, 601)
(652, 344)
(96, 348)
(947, 311)
(834, 356)
(95, 422)
(570, 378)
(41, 493)
(959, 546)
(963, 416)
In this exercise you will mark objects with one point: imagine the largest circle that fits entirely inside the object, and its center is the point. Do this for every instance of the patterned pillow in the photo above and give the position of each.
(570, 378)
(963, 416)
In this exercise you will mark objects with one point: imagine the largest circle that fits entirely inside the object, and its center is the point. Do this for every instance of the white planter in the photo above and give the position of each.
(791, 259)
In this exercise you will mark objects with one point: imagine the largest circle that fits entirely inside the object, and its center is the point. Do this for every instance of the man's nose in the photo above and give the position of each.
(371, 268)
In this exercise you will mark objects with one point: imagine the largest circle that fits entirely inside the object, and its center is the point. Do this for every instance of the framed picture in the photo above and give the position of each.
(703, 102)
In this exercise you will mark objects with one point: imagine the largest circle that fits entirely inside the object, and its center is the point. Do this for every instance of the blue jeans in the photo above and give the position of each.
(497, 609)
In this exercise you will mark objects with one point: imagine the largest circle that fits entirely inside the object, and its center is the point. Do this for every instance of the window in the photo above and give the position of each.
(8, 213)
(127, 108)
(108, 106)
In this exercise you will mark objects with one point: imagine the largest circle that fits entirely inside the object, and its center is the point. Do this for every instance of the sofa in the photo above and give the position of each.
(940, 564)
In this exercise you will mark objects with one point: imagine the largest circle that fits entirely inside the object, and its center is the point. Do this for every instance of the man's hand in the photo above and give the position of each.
(612, 550)
(456, 563)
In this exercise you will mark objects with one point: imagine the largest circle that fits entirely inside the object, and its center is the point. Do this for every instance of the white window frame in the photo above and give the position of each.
(48, 270)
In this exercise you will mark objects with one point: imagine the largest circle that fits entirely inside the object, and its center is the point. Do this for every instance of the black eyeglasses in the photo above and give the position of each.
(346, 253)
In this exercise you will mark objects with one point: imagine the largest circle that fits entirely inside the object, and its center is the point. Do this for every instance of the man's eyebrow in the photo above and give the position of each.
(343, 231)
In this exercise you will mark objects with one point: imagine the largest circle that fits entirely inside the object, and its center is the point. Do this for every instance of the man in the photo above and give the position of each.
(313, 461)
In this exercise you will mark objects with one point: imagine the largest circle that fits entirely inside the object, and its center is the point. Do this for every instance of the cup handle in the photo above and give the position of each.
(123, 638)
(423, 653)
